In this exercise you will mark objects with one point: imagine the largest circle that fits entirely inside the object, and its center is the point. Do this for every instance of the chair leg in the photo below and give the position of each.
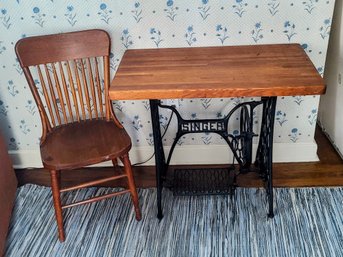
(115, 162)
(131, 182)
(55, 187)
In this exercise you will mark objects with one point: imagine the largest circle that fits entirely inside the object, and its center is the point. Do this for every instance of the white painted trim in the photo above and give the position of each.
(25, 159)
(188, 154)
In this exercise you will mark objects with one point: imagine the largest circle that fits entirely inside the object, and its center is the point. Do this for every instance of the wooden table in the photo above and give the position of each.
(265, 71)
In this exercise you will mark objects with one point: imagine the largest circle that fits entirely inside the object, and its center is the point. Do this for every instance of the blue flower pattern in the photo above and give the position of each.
(310, 5)
(104, 13)
(12, 88)
(146, 105)
(30, 107)
(289, 30)
(239, 7)
(150, 139)
(259, 22)
(5, 18)
(39, 86)
(137, 123)
(70, 15)
(280, 117)
(294, 135)
(38, 16)
(325, 29)
(171, 10)
(204, 9)
(137, 12)
(164, 121)
(118, 106)
(126, 38)
(321, 70)
(190, 36)
(257, 32)
(13, 145)
(156, 36)
(206, 102)
(222, 33)
(312, 117)
(298, 99)
(24, 127)
(17, 67)
(114, 62)
(207, 138)
(255, 118)
(273, 7)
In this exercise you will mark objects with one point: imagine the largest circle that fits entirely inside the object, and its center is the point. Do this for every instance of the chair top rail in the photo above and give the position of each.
(60, 47)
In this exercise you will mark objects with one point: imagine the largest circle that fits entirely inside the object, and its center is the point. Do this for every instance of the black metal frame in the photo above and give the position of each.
(240, 144)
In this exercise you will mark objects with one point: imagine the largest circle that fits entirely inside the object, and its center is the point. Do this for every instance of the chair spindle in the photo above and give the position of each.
(59, 92)
(65, 90)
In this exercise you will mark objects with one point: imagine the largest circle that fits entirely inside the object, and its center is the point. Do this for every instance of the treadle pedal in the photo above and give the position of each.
(207, 181)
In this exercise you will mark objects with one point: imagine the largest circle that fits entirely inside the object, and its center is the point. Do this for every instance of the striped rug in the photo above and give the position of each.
(308, 222)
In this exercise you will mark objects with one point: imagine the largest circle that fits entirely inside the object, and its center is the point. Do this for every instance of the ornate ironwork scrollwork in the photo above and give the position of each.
(240, 143)
(264, 153)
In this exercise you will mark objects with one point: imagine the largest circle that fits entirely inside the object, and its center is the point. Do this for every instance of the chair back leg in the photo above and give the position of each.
(55, 187)
(115, 162)
(131, 183)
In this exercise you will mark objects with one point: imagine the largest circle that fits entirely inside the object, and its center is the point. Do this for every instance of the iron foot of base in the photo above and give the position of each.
(271, 215)
(232, 191)
(160, 216)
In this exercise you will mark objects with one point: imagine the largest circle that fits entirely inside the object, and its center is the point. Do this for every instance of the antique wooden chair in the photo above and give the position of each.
(69, 78)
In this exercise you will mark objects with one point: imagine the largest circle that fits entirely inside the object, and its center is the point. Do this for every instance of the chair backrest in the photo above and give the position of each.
(68, 75)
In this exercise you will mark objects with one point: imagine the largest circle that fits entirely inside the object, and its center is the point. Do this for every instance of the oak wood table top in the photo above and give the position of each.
(216, 72)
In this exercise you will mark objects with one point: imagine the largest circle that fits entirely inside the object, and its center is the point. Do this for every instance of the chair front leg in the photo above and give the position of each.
(55, 187)
(131, 182)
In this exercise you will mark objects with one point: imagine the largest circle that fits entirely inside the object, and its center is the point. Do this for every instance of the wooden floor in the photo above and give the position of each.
(327, 172)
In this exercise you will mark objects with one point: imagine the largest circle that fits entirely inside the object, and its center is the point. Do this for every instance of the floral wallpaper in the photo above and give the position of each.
(160, 24)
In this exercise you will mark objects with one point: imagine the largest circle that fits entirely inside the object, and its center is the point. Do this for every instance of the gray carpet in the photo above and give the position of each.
(308, 222)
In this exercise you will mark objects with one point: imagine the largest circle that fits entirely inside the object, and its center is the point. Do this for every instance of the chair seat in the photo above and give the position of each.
(79, 144)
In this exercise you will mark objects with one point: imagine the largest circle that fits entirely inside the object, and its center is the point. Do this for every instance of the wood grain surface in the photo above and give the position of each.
(215, 72)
